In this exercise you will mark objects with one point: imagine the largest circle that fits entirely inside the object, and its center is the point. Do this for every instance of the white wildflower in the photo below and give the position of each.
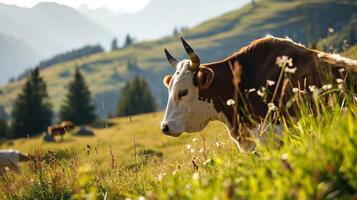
(284, 156)
(161, 176)
(342, 70)
(331, 30)
(312, 88)
(195, 176)
(201, 150)
(219, 144)
(188, 146)
(327, 87)
(261, 92)
(270, 82)
(340, 86)
(194, 140)
(230, 102)
(141, 198)
(296, 90)
(284, 61)
(272, 107)
(355, 98)
(251, 90)
(192, 150)
(339, 80)
(290, 70)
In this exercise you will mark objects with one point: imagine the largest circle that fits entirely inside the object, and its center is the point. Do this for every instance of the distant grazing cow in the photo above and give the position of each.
(68, 125)
(61, 129)
(199, 93)
(10, 159)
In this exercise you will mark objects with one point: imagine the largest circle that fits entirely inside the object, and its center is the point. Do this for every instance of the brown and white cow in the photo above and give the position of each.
(198, 93)
(61, 129)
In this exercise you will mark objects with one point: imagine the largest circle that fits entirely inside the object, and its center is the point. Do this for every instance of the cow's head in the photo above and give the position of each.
(185, 112)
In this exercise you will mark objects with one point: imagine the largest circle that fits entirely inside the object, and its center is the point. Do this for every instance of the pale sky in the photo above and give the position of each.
(126, 5)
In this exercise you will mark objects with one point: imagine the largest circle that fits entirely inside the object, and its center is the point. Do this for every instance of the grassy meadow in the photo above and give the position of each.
(132, 159)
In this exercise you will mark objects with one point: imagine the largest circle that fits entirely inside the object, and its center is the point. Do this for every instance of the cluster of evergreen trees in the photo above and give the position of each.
(135, 98)
(129, 40)
(32, 112)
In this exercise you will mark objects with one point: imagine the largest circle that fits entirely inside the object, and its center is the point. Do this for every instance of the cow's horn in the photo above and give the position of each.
(195, 60)
(170, 58)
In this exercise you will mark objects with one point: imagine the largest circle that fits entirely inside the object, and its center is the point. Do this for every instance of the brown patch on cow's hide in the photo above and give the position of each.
(257, 62)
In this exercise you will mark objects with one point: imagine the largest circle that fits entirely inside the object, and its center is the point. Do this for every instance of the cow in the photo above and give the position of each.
(10, 159)
(61, 129)
(199, 93)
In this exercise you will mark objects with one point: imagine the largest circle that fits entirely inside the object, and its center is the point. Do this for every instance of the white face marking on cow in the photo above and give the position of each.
(184, 111)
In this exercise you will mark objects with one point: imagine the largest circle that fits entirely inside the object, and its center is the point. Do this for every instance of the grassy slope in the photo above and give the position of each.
(213, 39)
(317, 160)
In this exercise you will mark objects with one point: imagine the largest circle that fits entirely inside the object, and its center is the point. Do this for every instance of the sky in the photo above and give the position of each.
(117, 5)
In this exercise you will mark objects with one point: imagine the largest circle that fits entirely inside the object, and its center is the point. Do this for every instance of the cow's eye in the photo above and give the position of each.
(182, 93)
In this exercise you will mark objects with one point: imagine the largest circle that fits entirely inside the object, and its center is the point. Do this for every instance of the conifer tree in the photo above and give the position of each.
(32, 111)
(128, 41)
(3, 128)
(135, 98)
(114, 44)
(78, 106)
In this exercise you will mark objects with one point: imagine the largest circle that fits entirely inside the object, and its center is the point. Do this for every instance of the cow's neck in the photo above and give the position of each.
(221, 90)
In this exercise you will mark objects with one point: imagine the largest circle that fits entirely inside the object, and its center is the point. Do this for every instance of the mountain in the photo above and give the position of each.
(106, 73)
(48, 28)
(15, 57)
(160, 17)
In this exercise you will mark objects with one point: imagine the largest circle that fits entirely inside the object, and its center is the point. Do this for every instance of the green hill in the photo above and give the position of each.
(106, 73)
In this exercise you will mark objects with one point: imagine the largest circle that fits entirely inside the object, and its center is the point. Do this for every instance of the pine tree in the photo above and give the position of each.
(78, 106)
(128, 41)
(135, 98)
(114, 44)
(32, 112)
(3, 128)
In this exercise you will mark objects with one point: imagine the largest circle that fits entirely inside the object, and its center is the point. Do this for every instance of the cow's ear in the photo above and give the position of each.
(204, 77)
(167, 80)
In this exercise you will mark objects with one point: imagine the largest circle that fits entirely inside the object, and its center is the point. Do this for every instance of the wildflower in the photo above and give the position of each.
(201, 150)
(270, 82)
(261, 92)
(161, 176)
(327, 87)
(194, 140)
(230, 102)
(340, 86)
(290, 70)
(141, 198)
(355, 98)
(342, 70)
(331, 30)
(188, 146)
(219, 144)
(295, 90)
(312, 88)
(284, 61)
(192, 150)
(195, 176)
(272, 107)
(251, 90)
(284, 156)
(339, 80)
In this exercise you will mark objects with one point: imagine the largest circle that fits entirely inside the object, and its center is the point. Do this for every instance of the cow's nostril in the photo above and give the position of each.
(165, 128)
